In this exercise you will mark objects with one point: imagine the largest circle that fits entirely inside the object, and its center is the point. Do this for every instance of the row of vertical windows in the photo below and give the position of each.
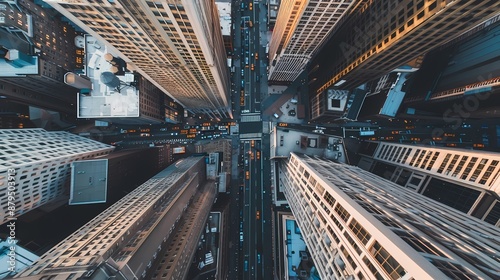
(418, 243)
(373, 269)
(344, 215)
(329, 199)
(452, 164)
(414, 157)
(404, 154)
(359, 231)
(352, 242)
(443, 164)
(468, 168)
(348, 257)
(460, 166)
(488, 172)
(425, 160)
(386, 261)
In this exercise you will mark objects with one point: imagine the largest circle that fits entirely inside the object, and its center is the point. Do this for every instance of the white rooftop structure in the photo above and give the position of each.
(224, 9)
(103, 101)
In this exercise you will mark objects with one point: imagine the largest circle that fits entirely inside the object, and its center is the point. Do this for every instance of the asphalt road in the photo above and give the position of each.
(255, 224)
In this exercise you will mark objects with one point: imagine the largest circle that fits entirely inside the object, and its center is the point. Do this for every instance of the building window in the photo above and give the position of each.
(407, 154)
(452, 164)
(488, 172)
(427, 157)
(352, 242)
(433, 160)
(418, 243)
(344, 215)
(420, 157)
(414, 157)
(359, 231)
(460, 166)
(469, 168)
(452, 270)
(348, 257)
(387, 262)
(443, 164)
(478, 170)
(329, 199)
(388, 221)
(373, 269)
(401, 155)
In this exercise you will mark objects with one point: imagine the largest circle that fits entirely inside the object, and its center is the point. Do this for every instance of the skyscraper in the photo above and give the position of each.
(456, 72)
(383, 35)
(467, 180)
(360, 226)
(128, 238)
(300, 28)
(177, 45)
(40, 161)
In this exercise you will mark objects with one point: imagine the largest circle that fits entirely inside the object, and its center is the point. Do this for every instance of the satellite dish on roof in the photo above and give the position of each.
(110, 79)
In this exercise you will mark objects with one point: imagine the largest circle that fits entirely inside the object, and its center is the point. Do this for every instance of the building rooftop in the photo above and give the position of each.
(224, 9)
(89, 182)
(294, 243)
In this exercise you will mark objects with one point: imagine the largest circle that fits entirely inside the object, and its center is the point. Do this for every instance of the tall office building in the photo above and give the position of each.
(130, 237)
(40, 162)
(467, 180)
(360, 226)
(383, 35)
(177, 45)
(461, 70)
(300, 28)
(45, 50)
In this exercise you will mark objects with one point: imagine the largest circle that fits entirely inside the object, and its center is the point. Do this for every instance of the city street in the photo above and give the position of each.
(249, 88)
